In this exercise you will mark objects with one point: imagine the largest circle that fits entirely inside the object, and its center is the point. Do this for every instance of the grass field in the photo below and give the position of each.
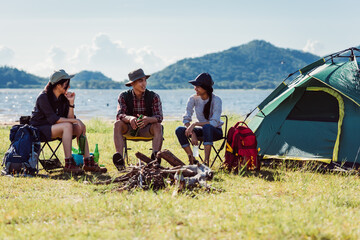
(277, 203)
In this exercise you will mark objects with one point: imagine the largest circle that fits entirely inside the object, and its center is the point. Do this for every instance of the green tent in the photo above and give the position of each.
(316, 116)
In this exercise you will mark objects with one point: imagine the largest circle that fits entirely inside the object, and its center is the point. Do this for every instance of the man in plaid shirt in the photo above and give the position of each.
(133, 104)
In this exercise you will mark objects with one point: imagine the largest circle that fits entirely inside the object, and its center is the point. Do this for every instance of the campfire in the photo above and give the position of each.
(148, 174)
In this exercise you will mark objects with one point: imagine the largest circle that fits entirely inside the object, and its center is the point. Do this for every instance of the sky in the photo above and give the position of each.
(118, 36)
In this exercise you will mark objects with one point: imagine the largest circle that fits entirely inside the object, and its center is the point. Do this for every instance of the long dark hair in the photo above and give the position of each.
(206, 111)
(49, 87)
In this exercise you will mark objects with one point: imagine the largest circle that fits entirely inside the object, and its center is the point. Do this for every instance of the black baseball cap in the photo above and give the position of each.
(203, 80)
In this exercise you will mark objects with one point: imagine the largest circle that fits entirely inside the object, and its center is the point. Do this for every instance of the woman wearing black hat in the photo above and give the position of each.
(54, 116)
(208, 109)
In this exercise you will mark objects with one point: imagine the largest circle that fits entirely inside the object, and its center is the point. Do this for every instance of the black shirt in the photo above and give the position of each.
(48, 109)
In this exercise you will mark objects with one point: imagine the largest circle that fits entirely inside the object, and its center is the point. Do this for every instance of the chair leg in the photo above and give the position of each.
(54, 152)
(53, 163)
(216, 156)
(126, 156)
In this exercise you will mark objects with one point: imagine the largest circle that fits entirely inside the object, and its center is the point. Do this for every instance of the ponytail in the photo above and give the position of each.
(207, 106)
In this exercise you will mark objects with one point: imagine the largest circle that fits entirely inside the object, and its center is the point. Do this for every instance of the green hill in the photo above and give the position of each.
(94, 80)
(257, 64)
(15, 78)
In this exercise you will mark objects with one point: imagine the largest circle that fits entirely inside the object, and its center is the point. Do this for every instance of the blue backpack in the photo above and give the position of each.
(22, 155)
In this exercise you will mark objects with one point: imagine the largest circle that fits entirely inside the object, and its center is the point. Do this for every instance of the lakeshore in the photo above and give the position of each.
(102, 103)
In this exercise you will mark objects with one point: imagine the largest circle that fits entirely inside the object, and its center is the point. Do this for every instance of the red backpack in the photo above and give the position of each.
(241, 148)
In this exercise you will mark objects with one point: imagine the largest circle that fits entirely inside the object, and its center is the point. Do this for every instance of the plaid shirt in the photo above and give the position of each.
(139, 107)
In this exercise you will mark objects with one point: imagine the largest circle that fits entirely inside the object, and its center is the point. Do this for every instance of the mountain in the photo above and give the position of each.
(257, 64)
(94, 80)
(15, 78)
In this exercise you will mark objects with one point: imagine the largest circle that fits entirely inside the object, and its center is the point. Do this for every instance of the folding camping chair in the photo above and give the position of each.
(52, 163)
(216, 150)
(136, 139)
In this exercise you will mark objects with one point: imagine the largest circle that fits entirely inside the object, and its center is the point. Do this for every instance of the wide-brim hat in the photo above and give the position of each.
(203, 80)
(59, 75)
(136, 75)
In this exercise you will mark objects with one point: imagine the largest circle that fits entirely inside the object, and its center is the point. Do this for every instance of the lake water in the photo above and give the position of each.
(92, 103)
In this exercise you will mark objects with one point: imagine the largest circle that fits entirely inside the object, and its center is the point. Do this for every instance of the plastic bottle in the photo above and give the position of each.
(96, 153)
(196, 151)
(134, 132)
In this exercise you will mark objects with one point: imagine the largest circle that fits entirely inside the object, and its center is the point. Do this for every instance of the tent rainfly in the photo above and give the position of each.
(316, 116)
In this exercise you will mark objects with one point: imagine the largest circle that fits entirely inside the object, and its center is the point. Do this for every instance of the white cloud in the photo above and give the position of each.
(57, 56)
(113, 58)
(6, 55)
(103, 54)
(147, 57)
(313, 46)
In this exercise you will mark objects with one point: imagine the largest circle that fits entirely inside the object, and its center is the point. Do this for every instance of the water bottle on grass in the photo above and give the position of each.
(82, 140)
(96, 153)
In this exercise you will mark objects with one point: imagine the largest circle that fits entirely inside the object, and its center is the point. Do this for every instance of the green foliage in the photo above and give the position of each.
(14, 78)
(257, 64)
(277, 203)
(88, 76)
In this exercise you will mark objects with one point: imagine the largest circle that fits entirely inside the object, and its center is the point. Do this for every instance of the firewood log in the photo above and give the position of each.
(169, 157)
(143, 158)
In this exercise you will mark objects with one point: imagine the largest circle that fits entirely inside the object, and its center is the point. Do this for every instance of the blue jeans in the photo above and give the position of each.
(208, 132)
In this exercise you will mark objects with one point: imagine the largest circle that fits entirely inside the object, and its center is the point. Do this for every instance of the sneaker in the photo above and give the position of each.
(118, 161)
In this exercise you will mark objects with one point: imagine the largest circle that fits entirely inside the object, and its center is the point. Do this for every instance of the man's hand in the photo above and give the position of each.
(133, 123)
(144, 122)
(71, 97)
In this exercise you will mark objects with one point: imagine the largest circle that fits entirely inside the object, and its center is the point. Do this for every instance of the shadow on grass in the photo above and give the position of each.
(313, 166)
(90, 177)
(267, 175)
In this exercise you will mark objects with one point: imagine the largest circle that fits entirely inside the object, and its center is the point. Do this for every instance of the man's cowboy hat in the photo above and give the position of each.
(136, 75)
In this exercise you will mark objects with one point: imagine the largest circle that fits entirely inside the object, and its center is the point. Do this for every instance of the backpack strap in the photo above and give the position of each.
(240, 122)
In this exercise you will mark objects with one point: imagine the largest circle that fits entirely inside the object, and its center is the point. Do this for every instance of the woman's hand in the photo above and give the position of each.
(71, 97)
(76, 121)
(194, 140)
(189, 130)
